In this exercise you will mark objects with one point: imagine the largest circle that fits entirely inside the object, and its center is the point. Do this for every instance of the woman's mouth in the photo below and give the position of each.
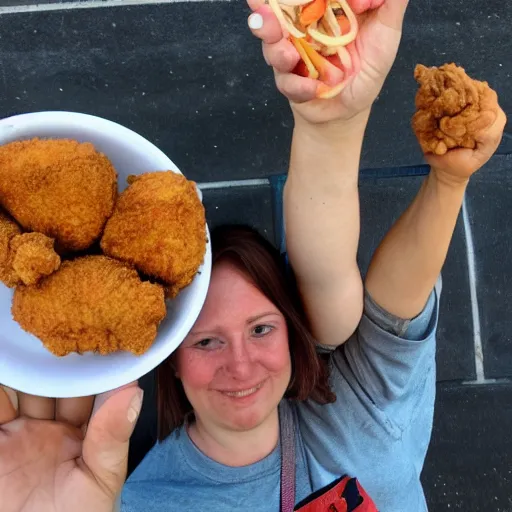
(243, 392)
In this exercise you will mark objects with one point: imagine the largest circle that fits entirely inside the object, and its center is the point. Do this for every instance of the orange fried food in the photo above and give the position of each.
(8, 230)
(451, 108)
(33, 257)
(92, 303)
(61, 188)
(159, 226)
(24, 258)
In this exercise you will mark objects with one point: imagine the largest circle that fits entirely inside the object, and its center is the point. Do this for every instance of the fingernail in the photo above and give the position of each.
(256, 21)
(135, 406)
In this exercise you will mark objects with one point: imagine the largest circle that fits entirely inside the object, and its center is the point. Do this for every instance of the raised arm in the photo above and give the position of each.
(321, 209)
(407, 263)
(321, 196)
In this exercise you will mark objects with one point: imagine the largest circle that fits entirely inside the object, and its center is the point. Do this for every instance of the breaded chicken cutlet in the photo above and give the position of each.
(451, 108)
(61, 188)
(25, 258)
(92, 303)
(159, 226)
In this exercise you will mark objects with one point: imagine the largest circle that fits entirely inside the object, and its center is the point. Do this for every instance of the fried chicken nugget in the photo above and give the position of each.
(24, 257)
(159, 226)
(33, 257)
(451, 108)
(61, 188)
(8, 230)
(92, 303)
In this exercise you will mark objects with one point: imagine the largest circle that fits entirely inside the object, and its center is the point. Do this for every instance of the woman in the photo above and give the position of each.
(246, 418)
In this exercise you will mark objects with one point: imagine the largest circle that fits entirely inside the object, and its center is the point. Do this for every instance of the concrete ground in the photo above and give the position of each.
(190, 78)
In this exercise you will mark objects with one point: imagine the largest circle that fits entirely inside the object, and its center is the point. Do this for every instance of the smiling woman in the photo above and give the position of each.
(251, 276)
(248, 419)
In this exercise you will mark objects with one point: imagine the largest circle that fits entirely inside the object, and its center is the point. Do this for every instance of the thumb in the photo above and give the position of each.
(8, 409)
(488, 138)
(105, 447)
(392, 13)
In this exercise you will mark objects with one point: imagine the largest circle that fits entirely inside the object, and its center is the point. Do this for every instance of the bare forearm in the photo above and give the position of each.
(322, 206)
(322, 225)
(408, 261)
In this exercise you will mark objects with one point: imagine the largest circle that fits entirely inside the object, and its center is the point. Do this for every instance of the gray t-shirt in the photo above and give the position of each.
(378, 431)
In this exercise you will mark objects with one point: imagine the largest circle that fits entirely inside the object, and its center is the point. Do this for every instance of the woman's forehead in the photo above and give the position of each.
(232, 293)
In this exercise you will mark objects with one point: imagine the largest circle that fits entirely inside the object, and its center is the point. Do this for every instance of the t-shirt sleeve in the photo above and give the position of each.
(391, 358)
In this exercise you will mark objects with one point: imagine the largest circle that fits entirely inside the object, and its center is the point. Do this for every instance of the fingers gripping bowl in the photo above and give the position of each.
(25, 364)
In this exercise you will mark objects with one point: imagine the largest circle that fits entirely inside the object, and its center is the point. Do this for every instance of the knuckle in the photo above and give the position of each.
(274, 57)
(280, 57)
(281, 87)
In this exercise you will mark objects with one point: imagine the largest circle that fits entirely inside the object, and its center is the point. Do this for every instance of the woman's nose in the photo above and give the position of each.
(239, 362)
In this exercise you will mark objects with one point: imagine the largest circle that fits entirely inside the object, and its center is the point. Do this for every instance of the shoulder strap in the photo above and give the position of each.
(287, 437)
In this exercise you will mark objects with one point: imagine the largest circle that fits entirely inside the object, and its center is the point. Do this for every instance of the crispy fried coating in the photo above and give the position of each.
(33, 257)
(8, 230)
(92, 303)
(61, 188)
(24, 257)
(451, 108)
(159, 226)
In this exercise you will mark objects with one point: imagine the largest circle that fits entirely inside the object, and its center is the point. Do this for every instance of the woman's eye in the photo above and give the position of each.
(208, 343)
(261, 330)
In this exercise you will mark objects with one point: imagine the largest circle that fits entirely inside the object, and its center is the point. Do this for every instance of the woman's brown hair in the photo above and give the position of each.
(262, 263)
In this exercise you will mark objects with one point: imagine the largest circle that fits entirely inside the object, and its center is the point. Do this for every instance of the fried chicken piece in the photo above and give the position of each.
(8, 230)
(61, 188)
(451, 108)
(91, 304)
(159, 226)
(24, 257)
(33, 257)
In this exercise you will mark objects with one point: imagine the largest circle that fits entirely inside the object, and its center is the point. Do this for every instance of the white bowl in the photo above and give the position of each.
(25, 364)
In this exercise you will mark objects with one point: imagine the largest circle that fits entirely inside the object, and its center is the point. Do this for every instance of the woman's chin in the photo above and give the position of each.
(242, 421)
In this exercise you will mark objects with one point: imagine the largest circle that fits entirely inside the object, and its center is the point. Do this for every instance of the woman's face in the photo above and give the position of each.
(235, 363)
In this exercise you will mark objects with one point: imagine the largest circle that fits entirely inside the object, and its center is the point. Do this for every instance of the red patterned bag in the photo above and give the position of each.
(343, 495)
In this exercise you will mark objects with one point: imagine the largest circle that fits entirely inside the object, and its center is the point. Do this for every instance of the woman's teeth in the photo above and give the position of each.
(245, 392)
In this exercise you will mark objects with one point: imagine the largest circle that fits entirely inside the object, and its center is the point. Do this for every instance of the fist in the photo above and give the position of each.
(460, 164)
(458, 123)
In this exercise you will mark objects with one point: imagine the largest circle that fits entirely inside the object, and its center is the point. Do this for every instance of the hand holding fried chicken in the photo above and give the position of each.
(459, 122)
(452, 108)
(67, 459)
